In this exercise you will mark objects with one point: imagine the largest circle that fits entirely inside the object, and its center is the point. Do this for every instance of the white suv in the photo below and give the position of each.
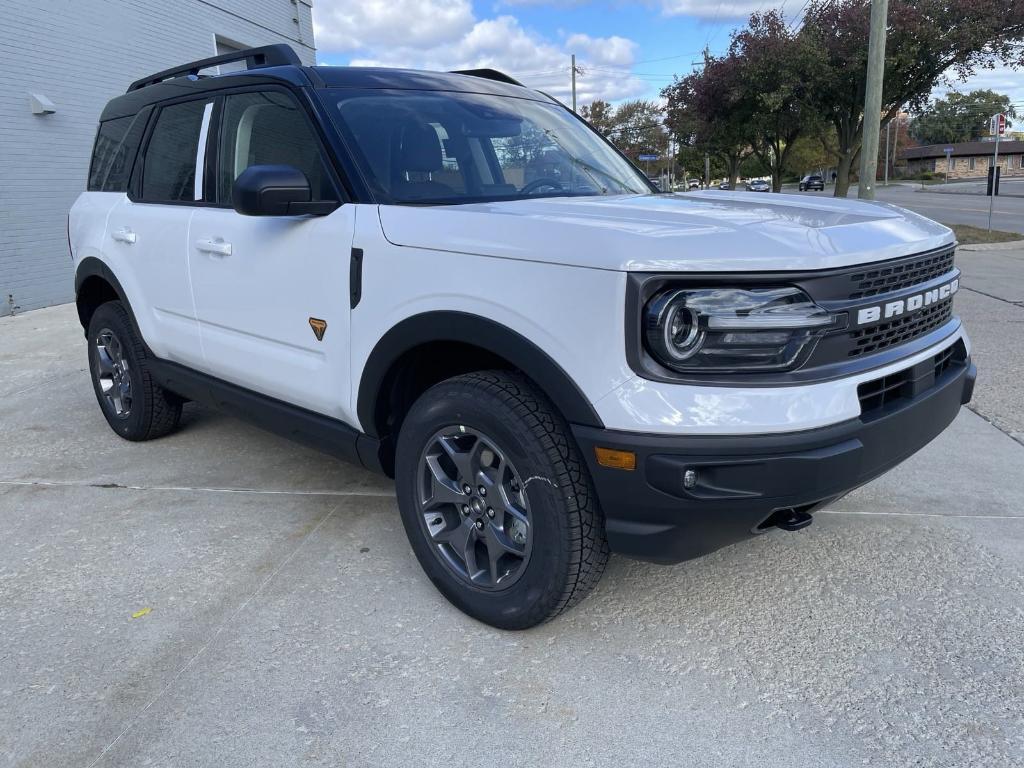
(452, 279)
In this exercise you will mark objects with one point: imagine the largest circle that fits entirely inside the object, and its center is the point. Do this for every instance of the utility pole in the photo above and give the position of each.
(707, 171)
(887, 153)
(574, 82)
(873, 99)
(896, 140)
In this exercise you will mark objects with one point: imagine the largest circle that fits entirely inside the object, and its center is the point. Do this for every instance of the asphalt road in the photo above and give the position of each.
(1007, 211)
(289, 623)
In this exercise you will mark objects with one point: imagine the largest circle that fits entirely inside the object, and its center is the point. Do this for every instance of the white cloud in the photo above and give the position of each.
(1001, 80)
(616, 50)
(712, 9)
(547, 3)
(383, 36)
(345, 25)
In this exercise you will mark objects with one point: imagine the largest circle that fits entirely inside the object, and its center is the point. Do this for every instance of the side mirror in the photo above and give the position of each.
(276, 190)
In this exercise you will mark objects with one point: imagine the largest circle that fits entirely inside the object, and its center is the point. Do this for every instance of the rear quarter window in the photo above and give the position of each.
(113, 153)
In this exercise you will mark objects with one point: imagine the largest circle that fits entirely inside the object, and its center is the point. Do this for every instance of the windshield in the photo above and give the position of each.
(448, 147)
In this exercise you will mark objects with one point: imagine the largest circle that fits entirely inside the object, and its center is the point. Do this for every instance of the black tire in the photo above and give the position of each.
(568, 549)
(144, 410)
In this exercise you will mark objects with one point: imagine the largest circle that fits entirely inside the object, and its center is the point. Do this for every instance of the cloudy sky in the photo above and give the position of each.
(626, 49)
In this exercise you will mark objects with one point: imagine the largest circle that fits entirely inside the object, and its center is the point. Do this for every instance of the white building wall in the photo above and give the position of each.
(79, 54)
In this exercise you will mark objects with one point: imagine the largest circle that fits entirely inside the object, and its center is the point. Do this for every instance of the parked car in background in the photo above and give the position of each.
(812, 181)
(725, 185)
(758, 185)
(693, 183)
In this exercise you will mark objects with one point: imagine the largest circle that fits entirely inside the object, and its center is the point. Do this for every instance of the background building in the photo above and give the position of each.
(969, 159)
(71, 57)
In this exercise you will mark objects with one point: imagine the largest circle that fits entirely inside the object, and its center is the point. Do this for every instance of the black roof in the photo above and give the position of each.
(471, 81)
(963, 149)
(274, 64)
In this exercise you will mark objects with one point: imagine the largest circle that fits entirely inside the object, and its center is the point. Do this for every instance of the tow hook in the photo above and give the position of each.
(788, 520)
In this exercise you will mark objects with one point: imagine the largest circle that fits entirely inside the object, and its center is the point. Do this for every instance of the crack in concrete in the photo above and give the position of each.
(194, 489)
(212, 638)
(973, 409)
(1011, 302)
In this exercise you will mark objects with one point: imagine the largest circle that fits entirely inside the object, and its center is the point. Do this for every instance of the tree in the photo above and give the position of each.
(703, 117)
(635, 127)
(926, 40)
(959, 117)
(777, 77)
(638, 128)
(600, 115)
(806, 155)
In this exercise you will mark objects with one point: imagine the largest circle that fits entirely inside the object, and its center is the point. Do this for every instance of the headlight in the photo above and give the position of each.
(717, 330)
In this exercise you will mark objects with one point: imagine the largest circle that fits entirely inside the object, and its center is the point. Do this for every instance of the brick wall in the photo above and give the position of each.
(79, 54)
(960, 167)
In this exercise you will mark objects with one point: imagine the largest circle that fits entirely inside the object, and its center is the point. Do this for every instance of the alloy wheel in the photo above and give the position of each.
(473, 508)
(113, 374)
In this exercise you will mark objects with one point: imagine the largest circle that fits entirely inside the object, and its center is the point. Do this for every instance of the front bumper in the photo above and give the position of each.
(743, 480)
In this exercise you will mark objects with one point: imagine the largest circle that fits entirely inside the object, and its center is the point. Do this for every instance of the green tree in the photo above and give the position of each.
(928, 40)
(807, 155)
(777, 76)
(601, 115)
(638, 128)
(959, 117)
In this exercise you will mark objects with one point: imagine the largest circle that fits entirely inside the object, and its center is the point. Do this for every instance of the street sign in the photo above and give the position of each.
(948, 151)
(646, 158)
(998, 125)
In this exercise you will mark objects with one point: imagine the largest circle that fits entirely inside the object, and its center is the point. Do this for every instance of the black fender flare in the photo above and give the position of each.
(93, 267)
(480, 332)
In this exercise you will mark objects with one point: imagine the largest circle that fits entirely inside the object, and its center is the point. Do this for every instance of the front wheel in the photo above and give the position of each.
(497, 503)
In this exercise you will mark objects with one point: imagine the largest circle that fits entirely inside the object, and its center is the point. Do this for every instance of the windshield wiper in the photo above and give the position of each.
(586, 167)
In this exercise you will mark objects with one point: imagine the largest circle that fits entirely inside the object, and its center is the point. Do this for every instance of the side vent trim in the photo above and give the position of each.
(355, 277)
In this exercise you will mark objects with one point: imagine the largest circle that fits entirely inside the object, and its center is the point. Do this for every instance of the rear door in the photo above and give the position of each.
(147, 232)
(113, 156)
(271, 292)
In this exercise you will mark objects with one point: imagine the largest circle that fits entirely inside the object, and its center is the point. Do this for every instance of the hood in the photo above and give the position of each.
(693, 232)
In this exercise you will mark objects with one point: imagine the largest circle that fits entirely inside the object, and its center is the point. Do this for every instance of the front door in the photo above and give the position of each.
(271, 292)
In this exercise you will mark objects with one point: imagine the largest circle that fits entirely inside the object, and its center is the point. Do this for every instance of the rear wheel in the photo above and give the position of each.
(134, 405)
(496, 501)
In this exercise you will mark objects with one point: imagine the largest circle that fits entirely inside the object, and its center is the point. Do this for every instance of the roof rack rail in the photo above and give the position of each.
(255, 58)
(487, 74)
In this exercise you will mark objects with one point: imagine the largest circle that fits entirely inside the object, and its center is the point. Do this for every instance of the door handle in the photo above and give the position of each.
(215, 246)
(123, 235)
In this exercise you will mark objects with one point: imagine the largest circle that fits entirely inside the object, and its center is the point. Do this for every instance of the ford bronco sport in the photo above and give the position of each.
(452, 279)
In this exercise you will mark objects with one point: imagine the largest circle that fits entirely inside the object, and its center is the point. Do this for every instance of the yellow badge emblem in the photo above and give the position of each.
(319, 327)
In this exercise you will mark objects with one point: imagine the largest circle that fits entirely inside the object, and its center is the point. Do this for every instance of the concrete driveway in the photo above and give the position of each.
(289, 624)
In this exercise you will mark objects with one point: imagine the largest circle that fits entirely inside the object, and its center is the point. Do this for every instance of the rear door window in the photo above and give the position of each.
(169, 166)
(113, 154)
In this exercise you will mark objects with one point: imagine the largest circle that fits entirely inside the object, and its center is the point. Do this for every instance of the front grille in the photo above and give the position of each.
(895, 276)
(864, 341)
(881, 393)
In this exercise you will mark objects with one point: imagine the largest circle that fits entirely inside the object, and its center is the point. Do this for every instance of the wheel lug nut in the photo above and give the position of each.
(466, 489)
(490, 512)
(479, 525)
(465, 509)
(482, 491)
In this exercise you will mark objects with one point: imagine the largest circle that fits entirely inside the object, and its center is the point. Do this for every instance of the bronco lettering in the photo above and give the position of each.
(910, 304)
